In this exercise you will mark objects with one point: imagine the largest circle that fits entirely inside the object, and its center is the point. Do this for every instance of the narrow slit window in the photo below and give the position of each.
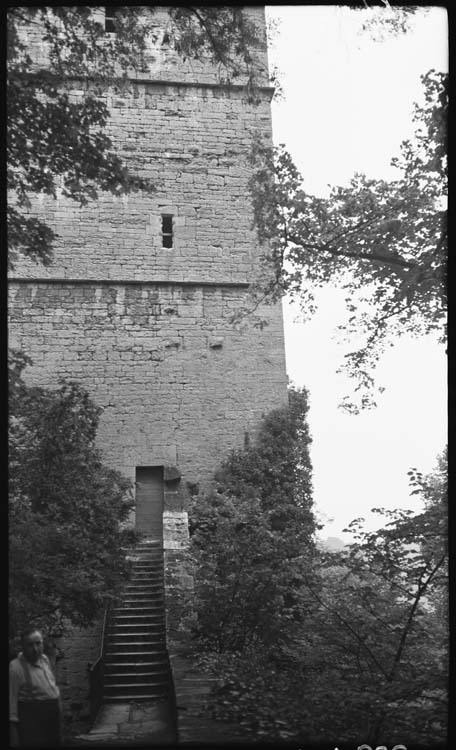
(167, 230)
(110, 18)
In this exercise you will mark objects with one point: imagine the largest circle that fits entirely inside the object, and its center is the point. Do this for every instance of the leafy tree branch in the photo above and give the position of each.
(382, 242)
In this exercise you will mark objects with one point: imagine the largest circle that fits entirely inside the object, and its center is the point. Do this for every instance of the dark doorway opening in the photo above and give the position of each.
(149, 501)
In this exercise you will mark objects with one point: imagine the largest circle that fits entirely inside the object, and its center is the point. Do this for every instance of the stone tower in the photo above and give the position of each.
(136, 305)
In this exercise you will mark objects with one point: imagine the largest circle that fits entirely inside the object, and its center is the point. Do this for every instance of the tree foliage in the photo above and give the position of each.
(65, 508)
(352, 647)
(251, 533)
(383, 242)
(381, 619)
(385, 20)
(56, 139)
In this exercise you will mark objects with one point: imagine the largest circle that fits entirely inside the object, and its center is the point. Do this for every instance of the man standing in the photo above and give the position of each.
(35, 709)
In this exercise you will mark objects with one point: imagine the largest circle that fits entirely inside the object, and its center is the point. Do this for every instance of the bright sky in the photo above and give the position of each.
(348, 105)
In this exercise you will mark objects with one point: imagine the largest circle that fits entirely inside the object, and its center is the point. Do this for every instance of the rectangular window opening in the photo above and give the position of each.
(110, 18)
(167, 230)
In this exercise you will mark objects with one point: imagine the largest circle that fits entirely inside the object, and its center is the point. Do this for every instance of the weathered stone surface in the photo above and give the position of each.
(195, 724)
(171, 473)
(124, 723)
(79, 648)
(145, 329)
(185, 407)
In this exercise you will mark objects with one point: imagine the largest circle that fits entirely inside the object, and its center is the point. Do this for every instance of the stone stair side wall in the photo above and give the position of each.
(192, 687)
(76, 650)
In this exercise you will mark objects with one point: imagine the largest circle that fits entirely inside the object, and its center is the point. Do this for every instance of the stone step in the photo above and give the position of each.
(145, 652)
(151, 561)
(145, 540)
(143, 594)
(138, 597)
(138, 698)
(139, 628)
(152, 624)
(137, 649)
(135, 602)
(151, 598)
(150, 636)
(154, 619)
(132, 640)
(132, 687)
(133, 678)
(153, 605)
(142, 610)
(143, 584)
(148, 582)
(134, 631)
(122, 644)
(160, 664)
(127, 619)
(143, 545)
(151, 643)
(147, 563)
(144, 655)
(136, 607)
(154, 574)
(143, 597)
(145, 552)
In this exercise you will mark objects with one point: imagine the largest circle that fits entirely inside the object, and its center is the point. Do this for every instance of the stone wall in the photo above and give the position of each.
(147, 330)
(177, 383)
(76, 650)
(195, 726)
(193, 143)
(162, 61)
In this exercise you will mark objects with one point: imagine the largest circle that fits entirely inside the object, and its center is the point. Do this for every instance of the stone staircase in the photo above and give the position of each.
(136, 660)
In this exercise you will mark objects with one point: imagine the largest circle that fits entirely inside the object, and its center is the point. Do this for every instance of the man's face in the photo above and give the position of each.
(32, 646)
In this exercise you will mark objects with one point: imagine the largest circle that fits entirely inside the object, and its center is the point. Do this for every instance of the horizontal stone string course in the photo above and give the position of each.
(218, 89)
(126, 282)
